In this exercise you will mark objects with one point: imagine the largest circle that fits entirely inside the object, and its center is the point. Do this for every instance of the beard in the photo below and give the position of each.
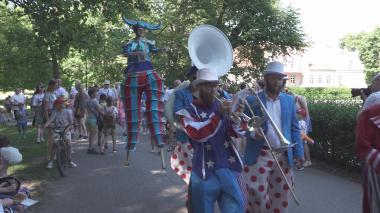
(206, 99)
(273, 90)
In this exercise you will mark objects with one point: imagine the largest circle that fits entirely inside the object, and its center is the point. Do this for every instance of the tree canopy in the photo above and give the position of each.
(82, 39)
(368, 46)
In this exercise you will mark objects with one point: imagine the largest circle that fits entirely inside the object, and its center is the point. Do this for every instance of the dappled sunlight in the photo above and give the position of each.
(177, 191)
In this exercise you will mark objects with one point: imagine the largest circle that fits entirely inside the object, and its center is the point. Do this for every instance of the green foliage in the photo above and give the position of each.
(323, 93)
(83, 39)
(333, 125)
(22, 62)
(368, 45)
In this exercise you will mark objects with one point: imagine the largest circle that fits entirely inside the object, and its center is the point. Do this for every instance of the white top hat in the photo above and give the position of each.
(107, 82)
(205, 76)
(276, 68)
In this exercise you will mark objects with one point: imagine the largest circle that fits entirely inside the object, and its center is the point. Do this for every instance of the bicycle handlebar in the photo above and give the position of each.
(58, 131)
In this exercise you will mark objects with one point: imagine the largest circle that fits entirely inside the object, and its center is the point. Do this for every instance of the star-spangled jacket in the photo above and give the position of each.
(209, 134)
(368, 137)
(290, 128)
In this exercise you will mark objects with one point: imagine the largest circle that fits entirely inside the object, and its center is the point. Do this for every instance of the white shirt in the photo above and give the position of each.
(108, 92)
(73, 92)
(167, 94)
(274, 110)
(37, 99)
(60, 92)
(17, 99)
(373, 99)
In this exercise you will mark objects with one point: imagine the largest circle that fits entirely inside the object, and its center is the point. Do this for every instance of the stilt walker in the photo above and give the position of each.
(141, 77)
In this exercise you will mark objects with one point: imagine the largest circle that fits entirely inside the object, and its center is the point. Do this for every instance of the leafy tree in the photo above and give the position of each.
(22, 62)
(62, 24)
(368, 45)
(257, 29)
(83, 38)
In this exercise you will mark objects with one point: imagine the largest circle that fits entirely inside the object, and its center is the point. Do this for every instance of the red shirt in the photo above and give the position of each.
(368, 137)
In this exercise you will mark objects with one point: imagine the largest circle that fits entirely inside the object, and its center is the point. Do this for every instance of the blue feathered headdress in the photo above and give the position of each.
(142, 24)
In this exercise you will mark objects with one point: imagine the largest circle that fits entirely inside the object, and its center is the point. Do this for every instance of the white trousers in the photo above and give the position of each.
(268, 191)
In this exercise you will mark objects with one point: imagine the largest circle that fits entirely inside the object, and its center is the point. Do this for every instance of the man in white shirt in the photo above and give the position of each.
(265, 180)
(60, 91)
(108, 91)
(170, 91)
(17, 99)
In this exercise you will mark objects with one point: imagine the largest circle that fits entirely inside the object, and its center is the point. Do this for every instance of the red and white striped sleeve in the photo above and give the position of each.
(197, 130)
(365, 141)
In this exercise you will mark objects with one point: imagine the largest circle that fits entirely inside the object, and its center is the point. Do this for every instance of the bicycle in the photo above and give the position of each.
(61, 150)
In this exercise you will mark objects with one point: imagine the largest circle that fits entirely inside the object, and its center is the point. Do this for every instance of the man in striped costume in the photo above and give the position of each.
(368, 150)
(141, 77)
(216, 163)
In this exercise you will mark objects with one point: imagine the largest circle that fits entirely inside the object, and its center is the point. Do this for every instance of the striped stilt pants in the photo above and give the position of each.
(131, 91)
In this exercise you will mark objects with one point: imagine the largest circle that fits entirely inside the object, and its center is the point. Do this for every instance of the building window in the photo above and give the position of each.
(328, 79)
(319, 79)
(292, 79)
(340, 79)
(311, 79)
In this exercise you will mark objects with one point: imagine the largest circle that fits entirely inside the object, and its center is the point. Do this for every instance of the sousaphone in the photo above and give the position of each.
(210, 48)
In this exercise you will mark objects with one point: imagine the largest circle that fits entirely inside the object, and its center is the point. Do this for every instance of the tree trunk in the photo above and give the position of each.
(56, 68)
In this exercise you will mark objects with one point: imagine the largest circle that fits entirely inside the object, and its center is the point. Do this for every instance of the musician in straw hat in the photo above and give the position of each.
(141, 77)
(368, 150)
(216, 164)
(268, 191)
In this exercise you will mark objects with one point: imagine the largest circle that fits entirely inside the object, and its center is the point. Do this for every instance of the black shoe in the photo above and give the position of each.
(92, 152)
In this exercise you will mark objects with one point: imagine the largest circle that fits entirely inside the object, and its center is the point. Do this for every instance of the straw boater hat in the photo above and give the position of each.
(274, 68)
(205, 76)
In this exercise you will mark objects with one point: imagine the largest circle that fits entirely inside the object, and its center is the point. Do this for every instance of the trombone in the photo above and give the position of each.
(257, 122)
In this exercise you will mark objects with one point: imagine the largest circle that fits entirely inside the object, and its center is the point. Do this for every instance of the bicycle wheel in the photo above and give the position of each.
(61, 159)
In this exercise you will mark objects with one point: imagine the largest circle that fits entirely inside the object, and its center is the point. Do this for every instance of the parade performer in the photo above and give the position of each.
(216, 163)
(141, 77)
(183, 152)
(268, 191)
(368, 150)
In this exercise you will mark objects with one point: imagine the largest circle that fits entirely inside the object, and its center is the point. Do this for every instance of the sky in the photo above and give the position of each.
(326, 21)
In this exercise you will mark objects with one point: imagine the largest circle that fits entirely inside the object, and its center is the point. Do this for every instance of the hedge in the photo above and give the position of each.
(333, 113)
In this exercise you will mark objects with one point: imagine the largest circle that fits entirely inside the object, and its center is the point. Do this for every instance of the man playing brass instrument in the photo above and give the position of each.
(216, 163)
(268, 191)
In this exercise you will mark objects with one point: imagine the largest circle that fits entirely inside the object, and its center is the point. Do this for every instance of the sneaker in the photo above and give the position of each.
(307, 163)
(42, 139)
(72, 164)
(114, 150)
(300, 169)
(50, 165)
(38, 141)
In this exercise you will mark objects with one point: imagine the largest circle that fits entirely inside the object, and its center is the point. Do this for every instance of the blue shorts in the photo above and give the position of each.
(22, 125)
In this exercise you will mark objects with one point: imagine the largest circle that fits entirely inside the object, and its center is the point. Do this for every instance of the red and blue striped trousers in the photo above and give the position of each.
(134, 85)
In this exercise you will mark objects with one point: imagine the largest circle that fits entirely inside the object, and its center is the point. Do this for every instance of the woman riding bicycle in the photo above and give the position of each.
(59, 120)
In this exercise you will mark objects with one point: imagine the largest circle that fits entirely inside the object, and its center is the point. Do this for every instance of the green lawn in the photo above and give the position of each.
(32, 170)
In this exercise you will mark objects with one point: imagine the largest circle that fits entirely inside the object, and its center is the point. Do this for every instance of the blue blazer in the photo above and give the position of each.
(290, 129)
(183, 98)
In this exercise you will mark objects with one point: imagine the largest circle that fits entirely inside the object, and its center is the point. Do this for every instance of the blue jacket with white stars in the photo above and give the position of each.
(209, 134)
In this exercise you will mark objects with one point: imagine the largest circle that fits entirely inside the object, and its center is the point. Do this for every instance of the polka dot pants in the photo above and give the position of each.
(268, 192)
(180, 160)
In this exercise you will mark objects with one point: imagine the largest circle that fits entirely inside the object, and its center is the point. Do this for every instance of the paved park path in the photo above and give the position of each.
(104, 184)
